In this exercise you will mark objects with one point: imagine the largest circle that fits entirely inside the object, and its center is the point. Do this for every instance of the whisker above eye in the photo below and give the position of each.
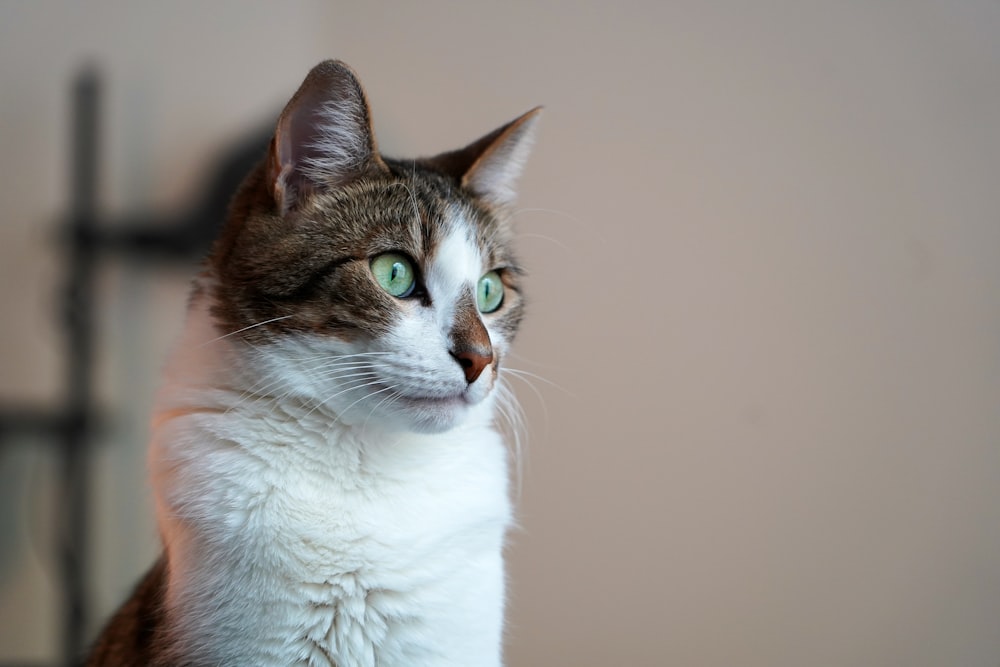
(551, 239)
(564, 215)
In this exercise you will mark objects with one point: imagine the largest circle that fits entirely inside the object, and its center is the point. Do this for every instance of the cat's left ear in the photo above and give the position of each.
(490, 166)
(324, 137)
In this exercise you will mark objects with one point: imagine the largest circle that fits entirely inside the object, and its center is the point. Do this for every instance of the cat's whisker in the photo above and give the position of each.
(341, 362)
(366, 396)
(261, 390)
(543, 237)
(511, 412)
(239, 331)
(337, 357)
(338, 378)
(525, 376)
(556, 215)
(360, 384)
(340, 366)
(539, 364)
(387, 401)
(564, 215)
(417, 220)
(359, 356)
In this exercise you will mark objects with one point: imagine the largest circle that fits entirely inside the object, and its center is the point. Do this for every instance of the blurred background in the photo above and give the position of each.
(764, 252)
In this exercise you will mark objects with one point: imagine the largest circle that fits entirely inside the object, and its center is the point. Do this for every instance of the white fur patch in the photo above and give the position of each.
(456, 266)
(297, 534)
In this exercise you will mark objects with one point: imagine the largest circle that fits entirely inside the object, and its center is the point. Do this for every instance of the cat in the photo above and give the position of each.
(329, 484)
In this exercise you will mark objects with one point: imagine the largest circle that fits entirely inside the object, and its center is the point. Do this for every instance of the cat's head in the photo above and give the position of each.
(384, 290)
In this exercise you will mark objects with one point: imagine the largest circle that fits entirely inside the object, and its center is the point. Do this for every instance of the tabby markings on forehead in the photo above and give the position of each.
(405, 215)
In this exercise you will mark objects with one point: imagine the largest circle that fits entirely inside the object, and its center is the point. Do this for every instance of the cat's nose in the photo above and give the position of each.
(473, 361)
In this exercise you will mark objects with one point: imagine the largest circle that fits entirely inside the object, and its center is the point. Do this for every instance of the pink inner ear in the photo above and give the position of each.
(494, 174)
(294, 138)
(491, 165)
(297, 138)
(323, 138)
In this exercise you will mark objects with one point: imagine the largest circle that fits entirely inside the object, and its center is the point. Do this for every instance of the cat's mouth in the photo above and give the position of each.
(438, 402)
(458, 398)
(403, 398)
(420, 409)
(433, 414)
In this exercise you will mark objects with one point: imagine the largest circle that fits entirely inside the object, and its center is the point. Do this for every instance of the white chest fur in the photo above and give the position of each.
(293, 539)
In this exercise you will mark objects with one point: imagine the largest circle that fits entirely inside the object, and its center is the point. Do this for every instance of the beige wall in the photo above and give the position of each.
(764, 242)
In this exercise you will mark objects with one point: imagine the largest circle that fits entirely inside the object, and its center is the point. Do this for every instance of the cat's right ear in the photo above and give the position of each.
(324, 137)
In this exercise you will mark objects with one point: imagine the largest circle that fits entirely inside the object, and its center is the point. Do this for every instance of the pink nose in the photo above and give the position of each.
(473, 362)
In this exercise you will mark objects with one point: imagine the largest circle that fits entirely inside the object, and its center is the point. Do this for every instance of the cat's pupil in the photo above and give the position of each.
(490, 292)
(394, 273)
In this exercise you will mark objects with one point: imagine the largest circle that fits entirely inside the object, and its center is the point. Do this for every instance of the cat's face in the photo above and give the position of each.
(384, 291)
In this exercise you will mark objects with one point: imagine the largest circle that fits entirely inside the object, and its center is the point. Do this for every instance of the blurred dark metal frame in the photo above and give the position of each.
(87, 241)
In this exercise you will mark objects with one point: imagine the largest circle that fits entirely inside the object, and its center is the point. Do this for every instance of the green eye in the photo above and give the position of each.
(489, 292)
(394, 273)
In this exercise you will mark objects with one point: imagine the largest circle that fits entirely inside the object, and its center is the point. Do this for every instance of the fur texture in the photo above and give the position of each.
(329, 484)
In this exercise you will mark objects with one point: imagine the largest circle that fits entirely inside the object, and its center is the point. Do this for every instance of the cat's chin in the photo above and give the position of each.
(420, 412)
(428, 415)
(434, 415)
